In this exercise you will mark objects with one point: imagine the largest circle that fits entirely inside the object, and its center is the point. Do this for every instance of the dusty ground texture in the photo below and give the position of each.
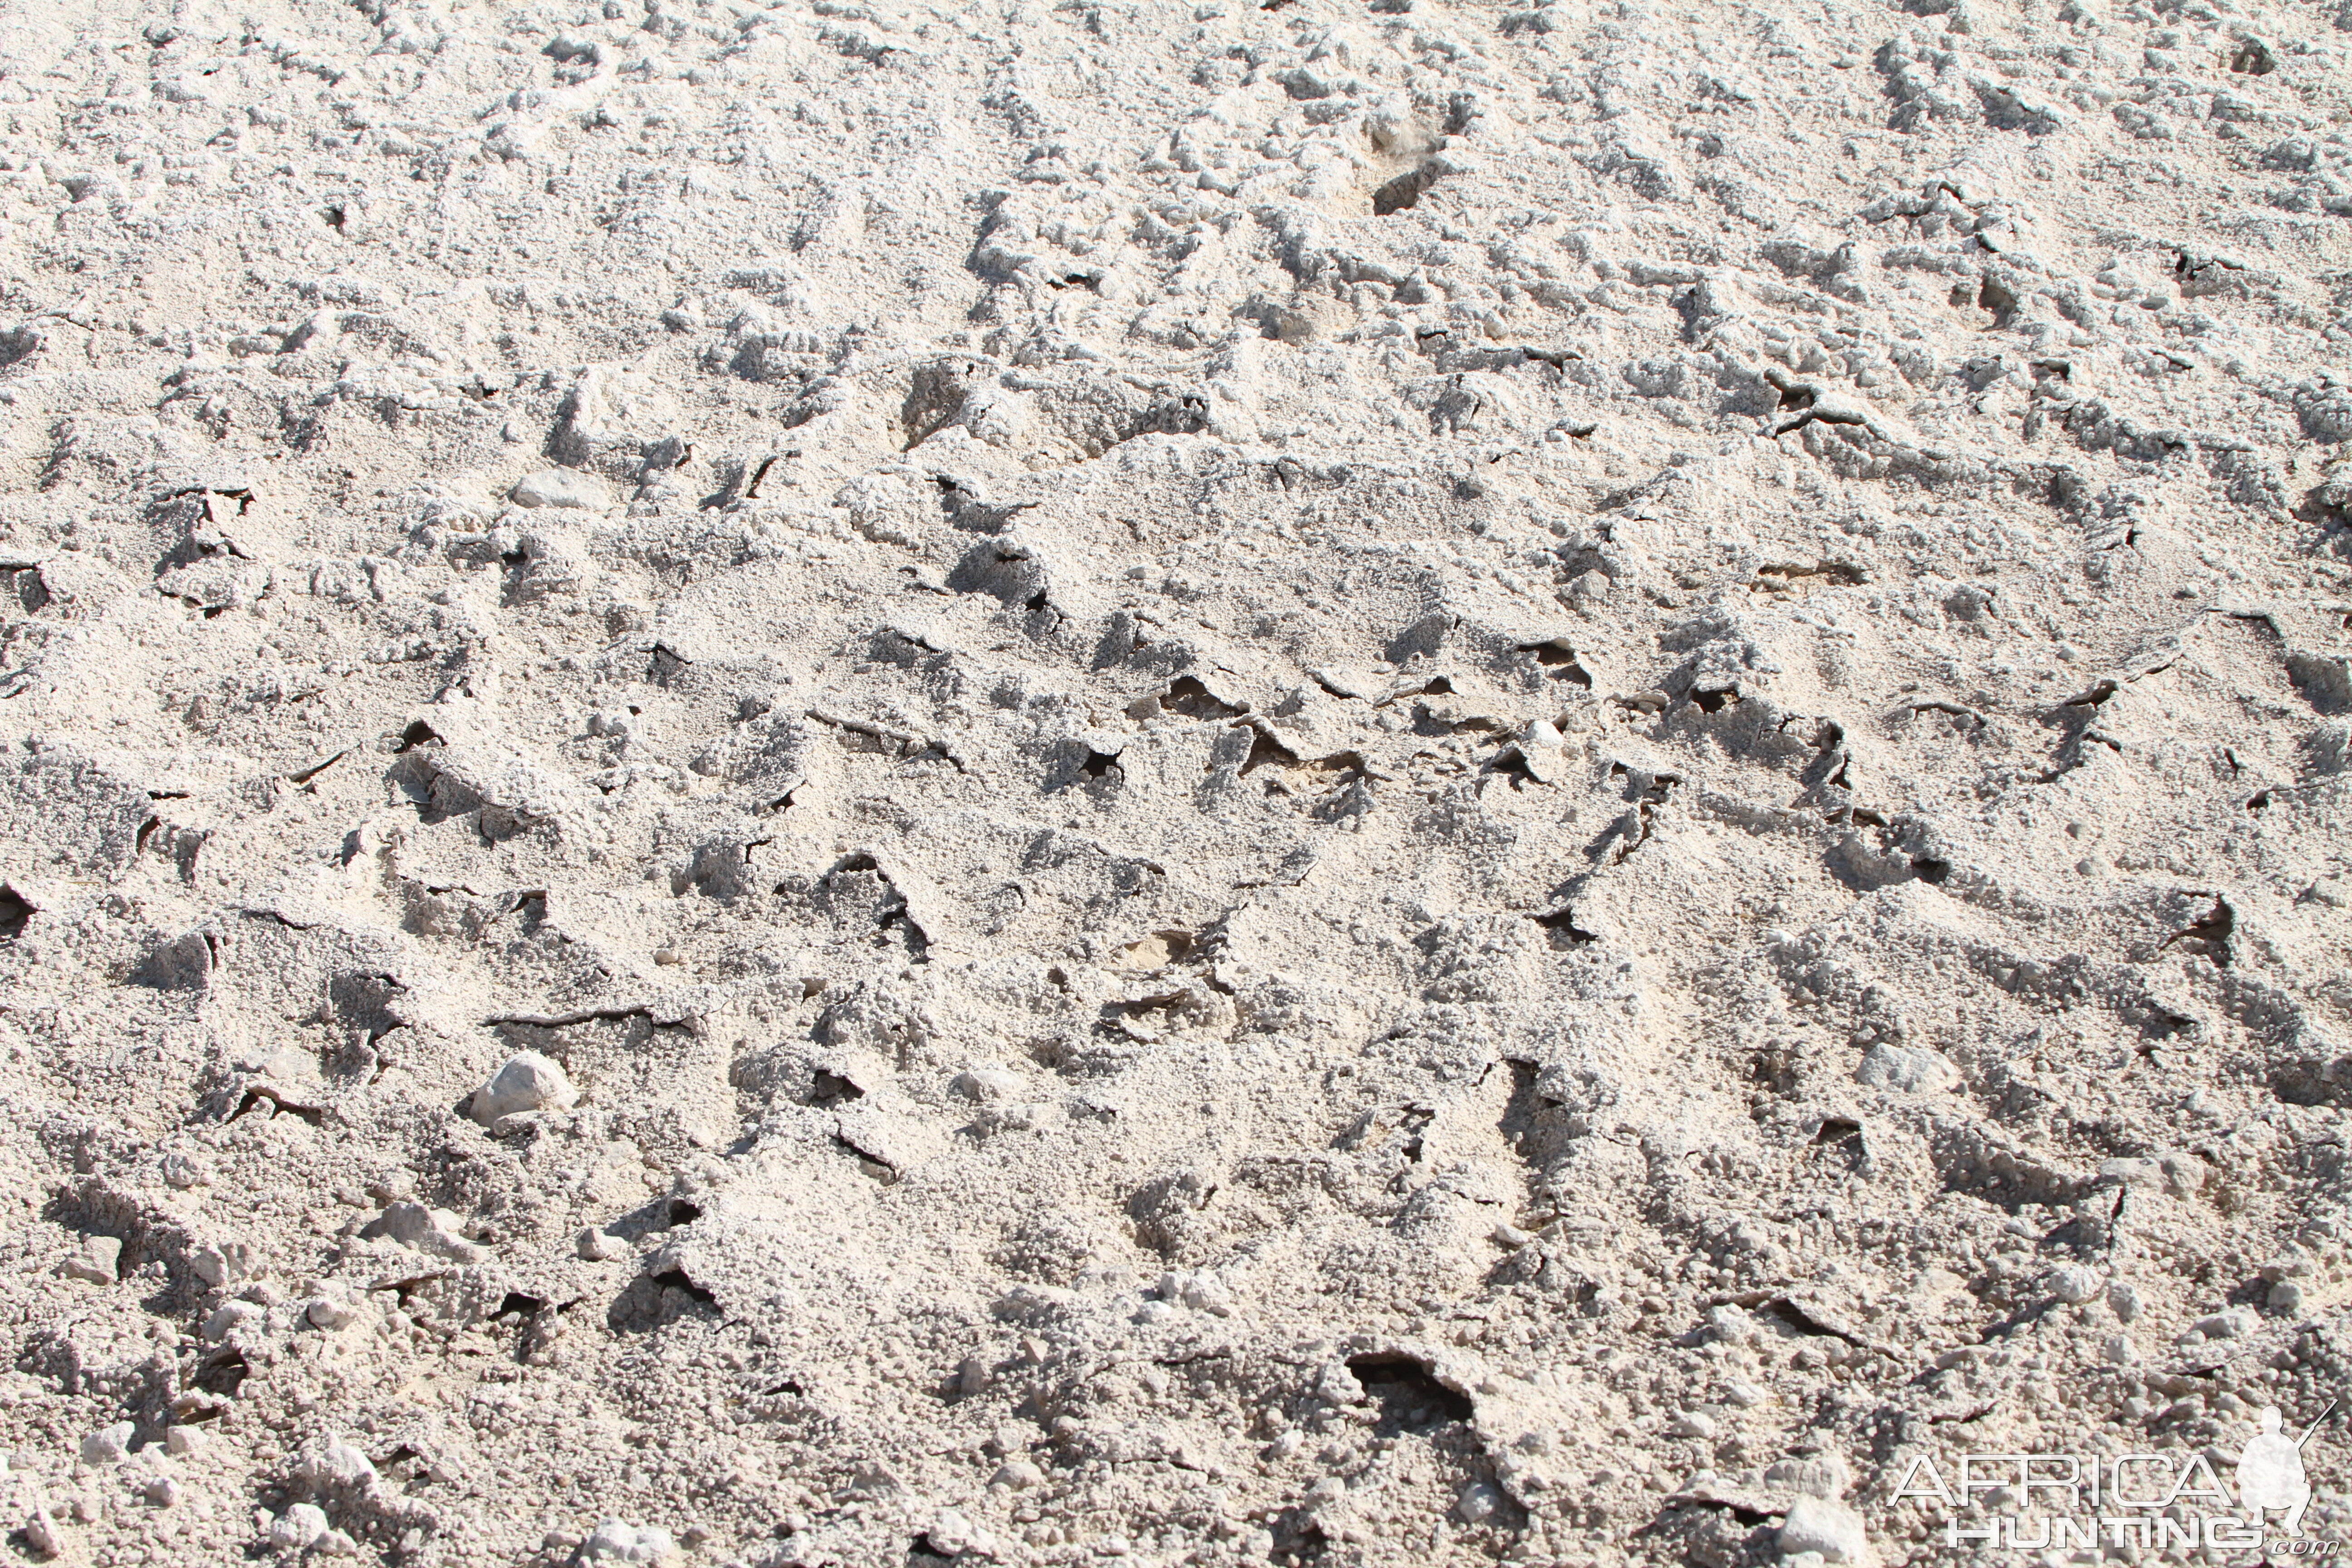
(1395, 784)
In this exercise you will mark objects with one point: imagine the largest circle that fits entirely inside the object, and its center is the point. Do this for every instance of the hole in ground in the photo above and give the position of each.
(830, 1089)
(1404, 192)
(1408, 1392)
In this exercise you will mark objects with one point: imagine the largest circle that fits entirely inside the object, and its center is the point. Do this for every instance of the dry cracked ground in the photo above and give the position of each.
(833, 783)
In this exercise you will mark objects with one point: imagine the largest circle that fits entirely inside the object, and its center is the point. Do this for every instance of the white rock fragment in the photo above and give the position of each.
(180, 1172)
(230, 1316)
(599, 1246)
(1019, 1475)
(1830, 1528)
(298, 1527)
(1912, 1069)
(426, 1230)
(615, 1541)
(526, 1081)
(330, 1313)
(42, 1534)
(562, 488)
(2232, 1323)
(985, 1084)
(223, 1262)
(97, 1262)
(109, 1444)
(1478, 1502)
(340, 1463)
(2074, 1284)
(952, 1534)
(182, 1441)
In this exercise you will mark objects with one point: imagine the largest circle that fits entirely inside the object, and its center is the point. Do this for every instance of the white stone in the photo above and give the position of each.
(222, 1262)
(1832, 1529)
(98, 1261)
(109, 1444)
(615, 1541)
(180, 1441)
(2074, 1284)
(950, 1534)
(341, 1464)
(1020, 1474)
(298, 1527)
(426, 1230)
(1693, 1424)
(526, 1081)
(42, 1534)
(180, 1172)
(985, 1083)
(600, 1246)
(2234, 1323)
(1912, 1069)
(1478, 1502)
(330, 1312)
(230, 1316)
(563, 487)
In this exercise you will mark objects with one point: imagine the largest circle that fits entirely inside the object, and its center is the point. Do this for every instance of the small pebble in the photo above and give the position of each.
(109, 1444)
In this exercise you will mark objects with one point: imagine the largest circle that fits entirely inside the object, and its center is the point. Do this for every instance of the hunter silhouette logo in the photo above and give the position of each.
(2170, 1503)
(2270, 1471)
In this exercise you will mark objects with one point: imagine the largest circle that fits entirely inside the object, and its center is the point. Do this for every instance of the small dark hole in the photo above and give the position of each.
(418, 733)
(828, 1089)
(334, 216)
(1264, 749)
(1402, 192)
(521, 1303)
(1565, 932)
(222, 1372)
(1714, 702)
(14, 912)
(675, 1280)
(1837, 1129)
(1560, 659)
(1796, 397)
(1188, 697)
(1935, 872)
(1098, 764)
(683, 1213)
(1406, 1389)
(1513, 767)
(2210, 935)
(787, 1386)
